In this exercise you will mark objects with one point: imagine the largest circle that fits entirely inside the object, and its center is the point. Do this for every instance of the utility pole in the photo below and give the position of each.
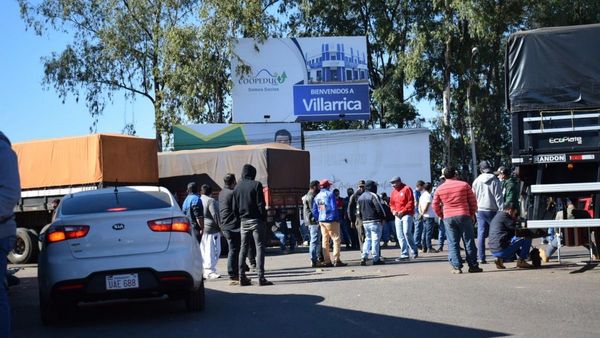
(474, 52)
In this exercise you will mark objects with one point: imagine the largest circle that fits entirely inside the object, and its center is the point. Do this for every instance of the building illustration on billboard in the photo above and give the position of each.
(333, 64)
(301, 79)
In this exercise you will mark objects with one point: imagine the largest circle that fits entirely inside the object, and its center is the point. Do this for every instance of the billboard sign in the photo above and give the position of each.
(301, 79)
(217, 135)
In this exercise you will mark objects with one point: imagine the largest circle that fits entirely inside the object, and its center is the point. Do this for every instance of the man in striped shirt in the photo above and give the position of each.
(454, 202)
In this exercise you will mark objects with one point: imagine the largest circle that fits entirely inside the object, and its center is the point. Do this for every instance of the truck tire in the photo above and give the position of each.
(26, 247)
(195, 299)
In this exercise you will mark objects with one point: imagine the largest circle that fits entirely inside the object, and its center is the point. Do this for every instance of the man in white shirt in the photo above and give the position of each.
(426, 211)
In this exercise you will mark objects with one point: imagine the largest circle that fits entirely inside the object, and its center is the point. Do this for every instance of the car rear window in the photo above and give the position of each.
(122, 201)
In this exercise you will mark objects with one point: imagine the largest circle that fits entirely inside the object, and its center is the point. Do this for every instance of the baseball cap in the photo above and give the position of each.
(395, 179)
(502, 170)
(361, 183)
(324, 183)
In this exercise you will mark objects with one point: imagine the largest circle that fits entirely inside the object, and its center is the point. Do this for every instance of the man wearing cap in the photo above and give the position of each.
(510, 186)
(402, 204)
(373, 216)
(325, 210)
(193, 209)
(354, 215)
(488, 191)
(455, 204)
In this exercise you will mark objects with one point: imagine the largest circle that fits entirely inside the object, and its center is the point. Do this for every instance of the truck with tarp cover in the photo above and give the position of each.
(553, 97)
(50, 169)
(284, 172)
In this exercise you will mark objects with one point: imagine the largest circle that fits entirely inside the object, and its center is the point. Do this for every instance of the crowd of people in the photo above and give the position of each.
(364, 220)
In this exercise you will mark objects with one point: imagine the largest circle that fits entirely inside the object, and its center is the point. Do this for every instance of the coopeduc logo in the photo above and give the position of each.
(264, 77)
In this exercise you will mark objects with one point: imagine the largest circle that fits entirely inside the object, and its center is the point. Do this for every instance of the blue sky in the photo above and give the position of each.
(28, 112)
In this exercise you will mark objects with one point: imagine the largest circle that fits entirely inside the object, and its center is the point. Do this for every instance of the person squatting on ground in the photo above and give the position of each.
(418, 220)
(249, 207)
(354, 216)
(373, 217)
(284, 233)
(312, 223)
(402, 204)
(210, 246)
(488, 191)
(428, 217)
(10, 193)
(325, 210)
(455, 204)
(503, 243)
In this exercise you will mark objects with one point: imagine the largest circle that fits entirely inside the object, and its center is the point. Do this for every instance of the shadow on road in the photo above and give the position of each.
(226, 315)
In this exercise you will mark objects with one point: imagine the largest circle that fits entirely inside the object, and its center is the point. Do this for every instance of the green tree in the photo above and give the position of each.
(174, 53)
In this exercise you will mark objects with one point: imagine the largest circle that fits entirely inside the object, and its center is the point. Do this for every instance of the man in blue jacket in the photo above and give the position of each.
(10, 192)
(325, 210)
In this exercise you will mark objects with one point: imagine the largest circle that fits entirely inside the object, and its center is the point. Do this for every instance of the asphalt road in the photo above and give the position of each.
(413, 299)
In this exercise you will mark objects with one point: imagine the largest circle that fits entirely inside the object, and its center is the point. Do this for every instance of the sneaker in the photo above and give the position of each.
(244, 281)
(499, 263)
(544, 257)
(432, 250)
(401, 259)
(475, 269)
(379, 262)
(340, 263)
(483, 262)
(234, 282)
(328, 265)
(522, 264)
(363, 262)
(456, 271)
(264, 282)
(213, 275)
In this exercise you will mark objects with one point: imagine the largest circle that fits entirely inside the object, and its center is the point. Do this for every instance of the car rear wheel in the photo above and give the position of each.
(26, 247)
(195, 300)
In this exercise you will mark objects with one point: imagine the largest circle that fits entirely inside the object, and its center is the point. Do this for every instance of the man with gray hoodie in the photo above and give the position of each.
(488, 191)
(10, 192)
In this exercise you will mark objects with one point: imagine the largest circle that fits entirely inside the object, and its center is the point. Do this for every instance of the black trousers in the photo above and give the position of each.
(253, 230)
(234, 241)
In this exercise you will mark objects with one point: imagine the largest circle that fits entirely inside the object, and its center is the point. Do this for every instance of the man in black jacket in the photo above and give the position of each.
(373, 216)
(230, 225)
(249, 208)
(502, 240)
(354, 217)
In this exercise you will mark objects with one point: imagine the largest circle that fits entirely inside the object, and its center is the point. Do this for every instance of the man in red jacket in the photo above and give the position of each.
(402, 204)
(454, 202)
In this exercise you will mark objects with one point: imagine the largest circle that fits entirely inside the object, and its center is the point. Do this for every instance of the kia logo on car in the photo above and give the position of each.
(119, 226)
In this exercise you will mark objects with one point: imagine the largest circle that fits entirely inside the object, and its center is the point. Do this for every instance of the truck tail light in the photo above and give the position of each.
(175, 224)
(64, 232)
(582, 157)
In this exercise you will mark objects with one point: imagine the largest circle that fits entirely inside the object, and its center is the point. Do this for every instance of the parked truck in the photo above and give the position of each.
(51, 169)
(284, 172)
(553, 96)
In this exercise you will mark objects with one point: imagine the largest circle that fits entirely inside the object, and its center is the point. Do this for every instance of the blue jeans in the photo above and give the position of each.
(419, 233)
(405, 236)
(315, 242)
(456, 228)
(441, 235)
(345, 229)
(372, 238)
(518, 245)
(428, 225)
(387, 231)
(304, 232)
(6, 245)
(285, 236)
(484, 218)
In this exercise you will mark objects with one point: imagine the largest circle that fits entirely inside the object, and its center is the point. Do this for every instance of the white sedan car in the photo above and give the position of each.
(118, 243)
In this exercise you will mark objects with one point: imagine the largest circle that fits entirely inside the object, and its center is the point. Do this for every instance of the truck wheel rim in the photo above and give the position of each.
(19, 247)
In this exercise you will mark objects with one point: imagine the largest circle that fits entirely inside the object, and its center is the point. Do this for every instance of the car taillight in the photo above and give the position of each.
(64, 232)
(176, 224)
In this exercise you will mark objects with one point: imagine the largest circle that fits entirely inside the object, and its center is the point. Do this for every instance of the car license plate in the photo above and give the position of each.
(120, 282)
